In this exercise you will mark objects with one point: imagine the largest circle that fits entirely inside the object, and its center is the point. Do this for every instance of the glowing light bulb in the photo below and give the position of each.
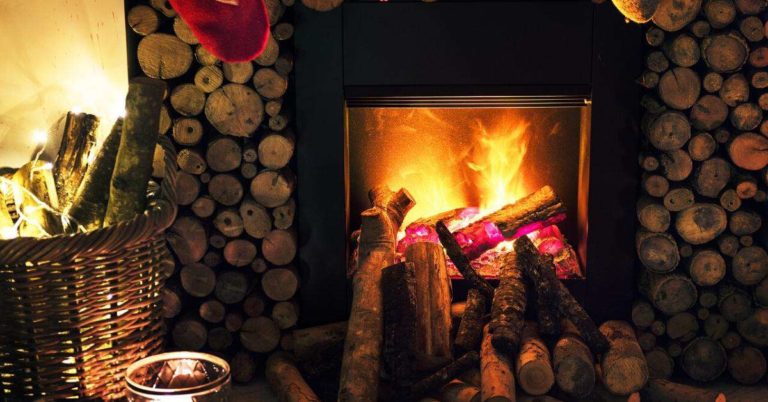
(77, 110)
(47, 166)
(40, 136)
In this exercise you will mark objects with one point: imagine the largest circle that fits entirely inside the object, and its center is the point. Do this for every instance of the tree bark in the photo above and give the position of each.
(508, 307)
(470, 332)
(624, 369)
(497, 382)
(401, 320)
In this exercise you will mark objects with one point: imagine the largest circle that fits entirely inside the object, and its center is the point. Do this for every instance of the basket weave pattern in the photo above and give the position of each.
(77, 310)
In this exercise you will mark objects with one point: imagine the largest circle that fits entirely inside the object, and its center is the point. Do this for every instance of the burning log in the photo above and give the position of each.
(401, 320)
(508, 309)
(470, 330)
(78, 140)
(453, 249)
(497, 382)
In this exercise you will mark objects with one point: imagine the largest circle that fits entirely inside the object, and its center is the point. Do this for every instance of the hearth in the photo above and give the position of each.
(469, 107)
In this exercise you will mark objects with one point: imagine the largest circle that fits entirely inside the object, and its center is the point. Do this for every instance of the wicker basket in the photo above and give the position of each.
(77, 310)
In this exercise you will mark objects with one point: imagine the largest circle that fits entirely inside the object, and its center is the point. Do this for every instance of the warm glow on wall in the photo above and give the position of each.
(58, 56)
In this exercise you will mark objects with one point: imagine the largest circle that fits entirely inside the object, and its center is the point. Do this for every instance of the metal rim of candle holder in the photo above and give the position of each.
(149, 392)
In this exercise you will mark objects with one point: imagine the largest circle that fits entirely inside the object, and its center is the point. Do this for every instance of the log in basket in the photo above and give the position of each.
(78, 309)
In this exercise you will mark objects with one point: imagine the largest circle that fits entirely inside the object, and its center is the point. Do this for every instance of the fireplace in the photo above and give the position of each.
(466, 106)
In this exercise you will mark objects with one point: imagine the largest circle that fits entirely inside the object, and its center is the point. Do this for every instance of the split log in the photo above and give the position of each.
(624, 369)
(746, 116)
(238, 72)
(256, 220)
(163, 56)
(671, 130)
(275, 150)
(670, 293)
(701, 223)
(401, 320)
(679, 88)
(574, 364)
(725, 52)
(750, 265)
(712, 82)
(234, 109)
(229, 223)
(508, 307)
(497, 382)
(660, 364)
(676, 165)
(279, 247)
(433, 302)
(652, 215)
(188, 239)
(734, 303)
(643, 314)
(704, 359)
(706, 267)
(191, 161)
(223, 154)
(637, 11)
(90, 203)
(662, 390)
(203, 207)
(682, 324)
(749, 151)
(711, 177)
(272, 188)
(269, 83)
(730, 200)
(226, 189)
(470, 332)
(453, 249)
(678, 199)
(672, 16)
(657, 251)
(243, 367)
(189, 334)
(187, 131)
(709, 112)
(280, 284)
(284, 214)
(719, 13)
(77, 142)
(212, 311)
(286, 381)
(187, 188)
(735, 90)
(746, 365)
(143, 20)
(442, 376)
(655, 185)
(198, 279)
(286, 315)
(133, 164)
(209, 78)
(540, 269)
(240, 252)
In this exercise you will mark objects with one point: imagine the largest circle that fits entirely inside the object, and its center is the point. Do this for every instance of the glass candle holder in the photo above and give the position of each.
(177, 377)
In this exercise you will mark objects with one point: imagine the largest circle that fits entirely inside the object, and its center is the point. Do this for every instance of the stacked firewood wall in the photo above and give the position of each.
(234, 287)
(704, 183)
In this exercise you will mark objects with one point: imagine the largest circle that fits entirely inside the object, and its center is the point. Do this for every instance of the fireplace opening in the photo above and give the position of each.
(465, 158)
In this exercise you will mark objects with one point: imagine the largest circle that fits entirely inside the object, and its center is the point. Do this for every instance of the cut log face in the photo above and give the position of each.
(679, 88)
(574, 366)
(678, 199)
(672, 16)
(624, 369)
(164, 56)
(670, 293)
(719, 13)
(711, 177)
(746, 365)
(701, 223)
(683, 50)
(670, 131)
(707, 267)
(657, 251)
(725, 53)
(750, 265)
(143, 20)
(235, 110)
(749, 151)
(708, 113)
(704, 359)
(755, 328)
(677, 165)
(534, 365)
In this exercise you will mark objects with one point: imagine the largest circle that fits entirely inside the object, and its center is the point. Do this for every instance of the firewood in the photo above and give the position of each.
(171, 297)
(259, 265)
(269, 54)
(164, 7)
(279, 247)
(758, 57)
(204, 57)
(433, 304)
(273, 107)
(679, 88)
(700, 29)
(674, 349)
(208, 78)
(203, 207)
(750, 265)
(508, 306)
(280, 284)
(712, 82)
(188, 100)
(402, 321)
(670, 131)
(143, 20)
(701, 147)
(256, 220)
(646, 340)
(275, 150)
(187, 188)
(470, 332)
(540, 269)
(461, 262)
(441, 377)
(701, 223)
(219, 339)
(721, 135)
(187, 131)
(708, 298)
(759, 80)
(662, 390)
(657, 251)
(533, 367)
(655, 185)
(725, 52)
(77, 142)
(731, 340)
(90, 203)
(260, 334)
(269, 83)
(728, 245)
(458, 391)
(191, 161)
(229, 223)
(163, 56)
(752, 29)
(624, 369)
(223, 154)
(642, 314)
(284, 214)
(654, 36)
(734, 303)
(272, 188)
(285, 314)
(286, 381)
(648, 79)
(676, 165)
(217, 240)
(746, 116)
(322, 5)
(212, 311)
(711, 177)
(282, 31)
(248, 170)
(254, 304)
(649, 163)
(748, 151)
(683, 50)
(313, 341)
(719, 13)
(730, 200)
(735, 90)
(672, 16)
(639, 11)
(275, 10)
(233, 321)
(183, 32)
(574, 364)
(497, 380)
(678, 199)
(652, 215)
(238, 72)
(761, 293)
(284, 63)
(198, 279)
(709, 112)
(189, 334)
(240, 252)
(703, 359)
(226, 189)
(670, 293)
(188, 239)
(243, 367)
(660, 364)
(706, 267)
(681, 324)
(744, 222)
(212, 258)
(746, 364)
(234, 109)
(133, 164)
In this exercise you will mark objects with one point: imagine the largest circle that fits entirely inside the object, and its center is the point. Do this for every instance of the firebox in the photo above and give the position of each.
(470, 106)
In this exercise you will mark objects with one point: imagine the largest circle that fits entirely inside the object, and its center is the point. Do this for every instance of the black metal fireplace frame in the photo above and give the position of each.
(349, 54)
